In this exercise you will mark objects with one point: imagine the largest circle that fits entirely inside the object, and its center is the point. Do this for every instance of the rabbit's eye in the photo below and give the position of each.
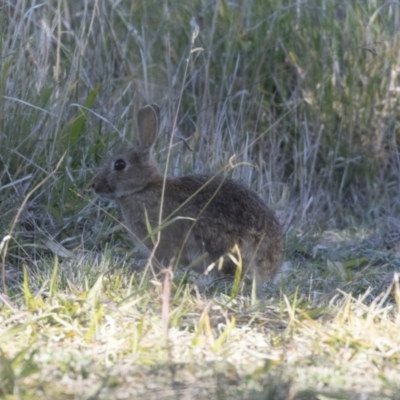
(119, 165)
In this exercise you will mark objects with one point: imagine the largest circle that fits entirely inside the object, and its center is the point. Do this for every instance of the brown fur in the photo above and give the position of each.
(212, 214)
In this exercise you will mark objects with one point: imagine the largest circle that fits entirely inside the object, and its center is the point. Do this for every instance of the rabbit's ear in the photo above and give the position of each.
(148, 121)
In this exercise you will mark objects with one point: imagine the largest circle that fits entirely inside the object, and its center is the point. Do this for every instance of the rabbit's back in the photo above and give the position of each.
(224, 201)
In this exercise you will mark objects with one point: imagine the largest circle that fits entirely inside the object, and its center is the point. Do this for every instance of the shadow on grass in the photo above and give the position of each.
(179, 382)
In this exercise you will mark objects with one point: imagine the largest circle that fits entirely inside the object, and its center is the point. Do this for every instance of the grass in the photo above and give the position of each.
(304, 94)
(112, 337)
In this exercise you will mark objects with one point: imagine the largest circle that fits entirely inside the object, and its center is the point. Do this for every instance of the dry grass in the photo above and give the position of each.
(305, 95)
(108, 340)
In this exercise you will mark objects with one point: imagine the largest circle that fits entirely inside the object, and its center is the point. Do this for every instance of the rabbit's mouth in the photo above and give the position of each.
(103, 191)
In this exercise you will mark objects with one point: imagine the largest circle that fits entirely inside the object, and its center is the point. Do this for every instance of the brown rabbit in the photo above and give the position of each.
(202, 214)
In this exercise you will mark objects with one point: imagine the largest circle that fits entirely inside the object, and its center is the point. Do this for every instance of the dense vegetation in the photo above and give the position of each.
(303, 94)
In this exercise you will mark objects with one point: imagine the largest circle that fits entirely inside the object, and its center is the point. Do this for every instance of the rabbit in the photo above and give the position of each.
(205, 215)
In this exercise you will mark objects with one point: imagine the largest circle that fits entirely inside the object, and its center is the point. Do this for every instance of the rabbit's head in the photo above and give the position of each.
(130, 172)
